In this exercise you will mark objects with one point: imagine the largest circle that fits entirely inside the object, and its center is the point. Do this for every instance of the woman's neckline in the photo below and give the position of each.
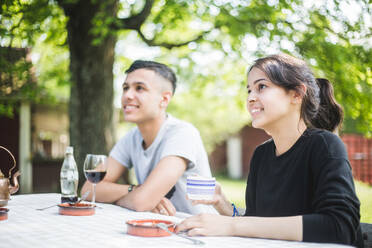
(292, 148)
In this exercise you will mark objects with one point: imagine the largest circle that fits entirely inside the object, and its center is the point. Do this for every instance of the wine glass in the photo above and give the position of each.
(95, 170)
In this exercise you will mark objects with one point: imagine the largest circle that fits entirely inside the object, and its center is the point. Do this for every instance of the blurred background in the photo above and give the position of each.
(62, 65)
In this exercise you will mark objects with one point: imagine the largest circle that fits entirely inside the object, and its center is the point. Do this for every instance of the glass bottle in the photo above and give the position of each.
(69, 177)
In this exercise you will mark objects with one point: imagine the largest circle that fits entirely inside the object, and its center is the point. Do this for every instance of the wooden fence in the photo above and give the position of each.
(359, 150)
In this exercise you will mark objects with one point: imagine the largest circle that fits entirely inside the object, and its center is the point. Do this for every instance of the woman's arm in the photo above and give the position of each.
(285, 228)
(335, 216)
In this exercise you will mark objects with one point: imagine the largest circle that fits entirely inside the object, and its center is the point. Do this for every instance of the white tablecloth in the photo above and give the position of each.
(27, 227)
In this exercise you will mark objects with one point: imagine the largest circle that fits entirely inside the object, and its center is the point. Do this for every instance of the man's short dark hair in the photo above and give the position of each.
(160, 69)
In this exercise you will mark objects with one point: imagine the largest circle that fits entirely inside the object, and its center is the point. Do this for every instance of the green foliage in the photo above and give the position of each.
(16, 81)
(170, 17)
(39, 24)
(212, 69)
(7, 108)
(214, 115)
(212, 98)
(304, 31)
(51, 68)
(346, 64)
(21, 21)
(103, 21)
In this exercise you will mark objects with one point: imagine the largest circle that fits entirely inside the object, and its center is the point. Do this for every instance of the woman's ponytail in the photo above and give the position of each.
(330, 113)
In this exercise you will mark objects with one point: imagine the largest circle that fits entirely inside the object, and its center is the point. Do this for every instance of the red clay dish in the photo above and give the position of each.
(3, 214)
(80, 209)
(148, 228)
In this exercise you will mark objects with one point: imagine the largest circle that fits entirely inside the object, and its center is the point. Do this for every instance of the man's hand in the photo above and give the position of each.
(165, 207)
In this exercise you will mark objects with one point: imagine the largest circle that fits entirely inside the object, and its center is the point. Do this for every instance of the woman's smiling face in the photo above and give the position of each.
(268, 103)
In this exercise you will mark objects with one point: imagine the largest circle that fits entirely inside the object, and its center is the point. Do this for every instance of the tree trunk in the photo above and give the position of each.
(91, 98)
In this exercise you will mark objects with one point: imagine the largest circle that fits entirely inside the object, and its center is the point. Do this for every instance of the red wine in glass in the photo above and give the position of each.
(95, 170)
(94, 176)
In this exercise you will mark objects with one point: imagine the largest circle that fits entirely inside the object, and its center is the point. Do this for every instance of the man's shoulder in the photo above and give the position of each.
(133, 133)
(177, 125)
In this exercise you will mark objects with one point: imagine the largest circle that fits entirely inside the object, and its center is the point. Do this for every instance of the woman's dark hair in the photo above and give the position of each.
(161, 69)
(319, 108)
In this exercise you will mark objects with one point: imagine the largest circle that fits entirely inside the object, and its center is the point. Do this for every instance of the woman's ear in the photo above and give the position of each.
(298, 94)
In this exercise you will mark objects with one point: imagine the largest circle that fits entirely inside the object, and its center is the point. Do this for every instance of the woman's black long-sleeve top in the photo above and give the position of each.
(313, 179)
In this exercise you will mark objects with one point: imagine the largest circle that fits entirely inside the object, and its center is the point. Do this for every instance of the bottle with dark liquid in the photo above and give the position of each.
(69, 177)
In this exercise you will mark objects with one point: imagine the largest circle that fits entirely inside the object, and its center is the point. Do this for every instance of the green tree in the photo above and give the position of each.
(241, 30)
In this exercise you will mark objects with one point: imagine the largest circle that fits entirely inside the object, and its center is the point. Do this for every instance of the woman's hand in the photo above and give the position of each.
(219, 202)
(217, 197)
(207, 225)
(165, 207)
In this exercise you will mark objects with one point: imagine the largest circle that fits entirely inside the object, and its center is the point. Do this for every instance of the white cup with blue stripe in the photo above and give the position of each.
(200, 188)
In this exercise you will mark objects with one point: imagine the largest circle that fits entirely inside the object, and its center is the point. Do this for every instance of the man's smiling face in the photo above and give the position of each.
(142, 96)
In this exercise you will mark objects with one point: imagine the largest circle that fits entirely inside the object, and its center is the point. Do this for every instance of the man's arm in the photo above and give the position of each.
(108, 190)
(162, 178)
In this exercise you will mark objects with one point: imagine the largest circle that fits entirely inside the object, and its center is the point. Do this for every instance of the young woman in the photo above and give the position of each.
(300, 185)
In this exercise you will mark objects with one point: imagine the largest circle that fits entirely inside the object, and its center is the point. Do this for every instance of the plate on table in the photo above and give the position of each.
(79, 209)
(3, 214)
(148, 228)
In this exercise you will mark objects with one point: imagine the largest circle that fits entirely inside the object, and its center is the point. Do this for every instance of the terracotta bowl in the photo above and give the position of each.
(3, 214)
(80, 209)
(148, 228)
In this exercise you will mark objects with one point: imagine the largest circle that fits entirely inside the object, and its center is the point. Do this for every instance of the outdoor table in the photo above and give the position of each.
(28, 227)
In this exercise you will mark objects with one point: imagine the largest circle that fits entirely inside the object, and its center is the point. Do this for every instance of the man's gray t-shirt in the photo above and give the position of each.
(175, 138)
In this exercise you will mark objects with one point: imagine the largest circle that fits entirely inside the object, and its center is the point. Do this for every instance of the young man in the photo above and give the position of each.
(162, 149)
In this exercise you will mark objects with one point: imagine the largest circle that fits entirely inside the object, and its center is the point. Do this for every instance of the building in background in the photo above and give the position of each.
(233, 156)
(49, 130)
(359, 149)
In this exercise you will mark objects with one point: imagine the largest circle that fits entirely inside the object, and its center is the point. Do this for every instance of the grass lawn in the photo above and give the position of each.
(364, 192)
(233, 189)
(235, 192)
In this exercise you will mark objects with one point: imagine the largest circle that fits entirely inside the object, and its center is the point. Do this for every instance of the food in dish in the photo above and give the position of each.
(4, 214)
(78, 209)
(148, 228)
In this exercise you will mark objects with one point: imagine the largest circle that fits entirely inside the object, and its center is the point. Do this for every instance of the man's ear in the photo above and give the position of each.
(297, 95)
(166, 97)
